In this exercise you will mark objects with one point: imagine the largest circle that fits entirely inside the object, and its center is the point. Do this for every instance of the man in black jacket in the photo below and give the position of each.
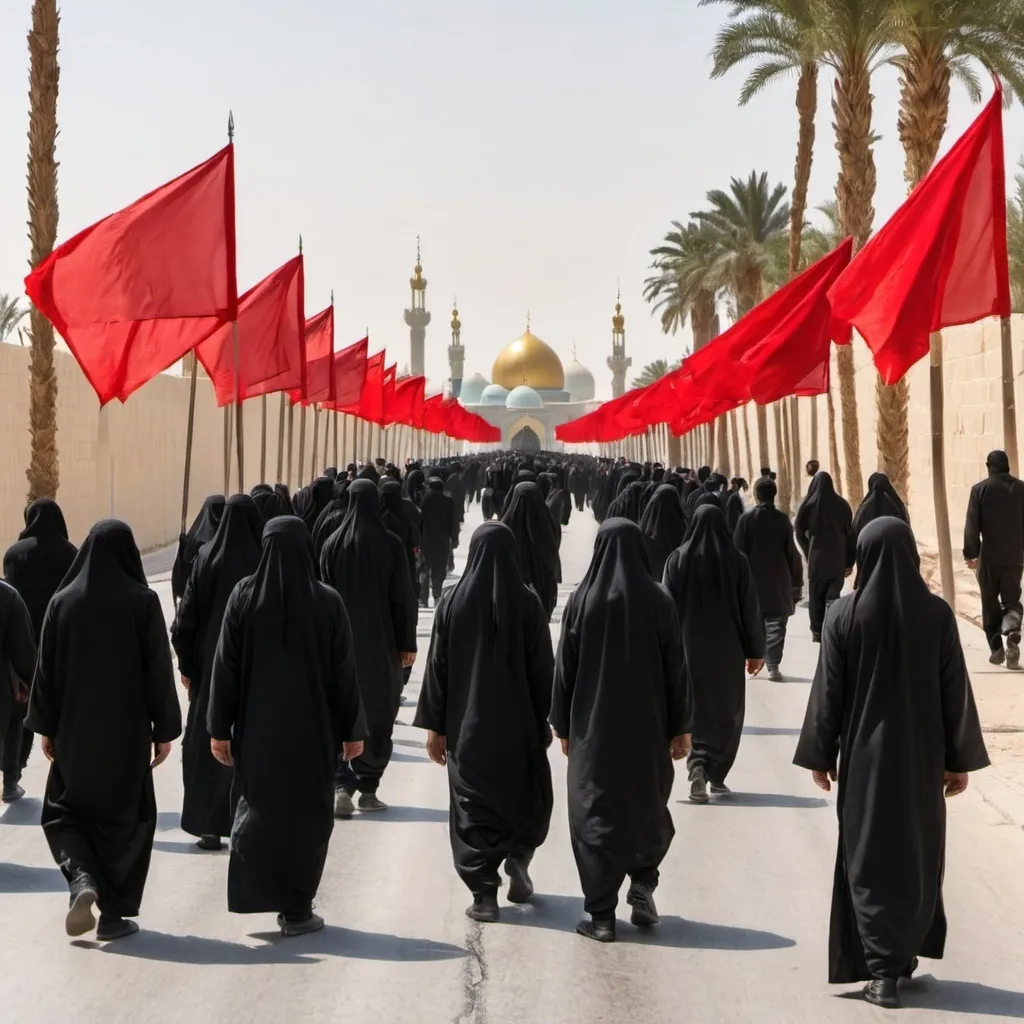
(994, 547)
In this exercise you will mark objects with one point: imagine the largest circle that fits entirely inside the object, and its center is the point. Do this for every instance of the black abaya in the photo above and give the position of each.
(439, 529)
(402, 518)
(367, 566)
(190, 544)
(714, 592)
(663, 527)
(285, 693)
(881, 500)
(487, 689)
(620, 697)
(104, 693)
(539, 539)
(233, 554)
(892, 708)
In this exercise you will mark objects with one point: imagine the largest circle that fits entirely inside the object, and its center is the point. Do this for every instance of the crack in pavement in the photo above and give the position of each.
(474, 979)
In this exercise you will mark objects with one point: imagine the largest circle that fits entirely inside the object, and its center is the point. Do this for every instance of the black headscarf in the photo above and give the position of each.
(539, 540)
(663, 527)
(312, 500)
(823, 530)
(189, 544)
(37, 563)
(271, 504)
(629, 503)
(401, 517)
(881, 500)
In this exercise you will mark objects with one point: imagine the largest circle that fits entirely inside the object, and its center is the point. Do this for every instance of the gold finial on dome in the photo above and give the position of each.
(618, 321)
(418, 281)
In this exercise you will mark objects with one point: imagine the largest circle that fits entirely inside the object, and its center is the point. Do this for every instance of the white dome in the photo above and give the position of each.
(473, 389)
(579, 382)
(493, 394)
(524, 397)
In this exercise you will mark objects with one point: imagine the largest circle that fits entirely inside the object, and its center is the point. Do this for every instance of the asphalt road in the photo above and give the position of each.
(744, 900)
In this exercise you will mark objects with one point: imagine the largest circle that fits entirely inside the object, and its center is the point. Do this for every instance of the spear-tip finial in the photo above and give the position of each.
(300, 245)
(231, 126)
(527, 320)
(418, 260)
(332, 296)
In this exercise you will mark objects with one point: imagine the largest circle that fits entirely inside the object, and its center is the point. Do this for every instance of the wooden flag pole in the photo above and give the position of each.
(239, 423)
(302, 447)
(263, 439)
(189, 432)
(327, 432)
(335, 419)
(227, 450)
(280, 442)
(291, 449)
(316, 437)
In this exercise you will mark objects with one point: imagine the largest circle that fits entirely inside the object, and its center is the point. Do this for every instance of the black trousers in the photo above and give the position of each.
(820, 594)
(1001, 607)
(363, 774)
(775, 639)
(11, 760)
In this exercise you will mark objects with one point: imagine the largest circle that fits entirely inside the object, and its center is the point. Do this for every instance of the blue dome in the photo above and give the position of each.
(523, 397)
(493, 394)
(473, 389)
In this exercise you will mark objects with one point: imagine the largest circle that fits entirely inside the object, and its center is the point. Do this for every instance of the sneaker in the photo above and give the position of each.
(304, 926)
(80, 919)
(774, 675)
(641, 899)
(112, 928)
(699, 787)
(13, 793)
(1013, 656)
(997, 657)
(370, 802)
(484, 908)
(343, 806)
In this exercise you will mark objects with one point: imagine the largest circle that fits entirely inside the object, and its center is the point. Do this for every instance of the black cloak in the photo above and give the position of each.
(663, 527)
(36, 564)
(201, 531)
(620, 697)
(17, 664)
(233, 554)
(559, 503)
(881, 500)
(711, 584)
(104, 693)
(271, 504)
(487, 688)
(312, 500)
(629, 503)
(402, 518)
(285, 693)
(539, 539)
(822, 529)
(765, 536)
(892, 707)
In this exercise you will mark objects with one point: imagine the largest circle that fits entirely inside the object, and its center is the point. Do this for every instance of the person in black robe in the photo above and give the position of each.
(271, 504)
(471, 479)
(281, 490)
(35, 565)
(234, 553)
(765, 536)
(823, 530)
(332, 516)
(628, 504)
(723, 630)
(402, 518)
(621, 710)
(367, 566)
(732, 503)
(492, 498)
(17, 664)
(559, 503)
(539, 539)
(881, 500)
(439, 531)
(284, 706)
(414, 484)
(663, 527)
(485, 701)
(312, 500)
(189, 544)
(104, 705)
(892, 712)
(578, 485)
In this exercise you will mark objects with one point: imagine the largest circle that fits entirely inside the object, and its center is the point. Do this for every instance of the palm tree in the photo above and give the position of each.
(11, 314)
(940, 39)
(654, 372)
(1015, 240)
(747, 226)
(44, 73)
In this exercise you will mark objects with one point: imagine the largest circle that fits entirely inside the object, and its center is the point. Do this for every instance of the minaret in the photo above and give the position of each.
(456, 353)
(417, 317)
(617, 362)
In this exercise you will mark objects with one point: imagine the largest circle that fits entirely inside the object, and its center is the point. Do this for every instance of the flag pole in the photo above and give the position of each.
(291, 439)
(316, 437)
(190, 430)
(227, 450)
(335, 420)
(280, 442)
(302, 448)
(239, 423)
(327, 431)
(263, 439)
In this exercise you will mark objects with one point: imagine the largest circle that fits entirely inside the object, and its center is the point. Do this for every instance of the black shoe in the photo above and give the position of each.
(112, 928)
(13, 793)
(209, 843)
(80, 919)
(344, 808)
(1012, 659)
(290, 928)
(774, 675)
(883, 992)
(698, 787)
(370, 802)
(641, 899)
(520, 886)
(484, 908)
(997, 657)
(600, 929)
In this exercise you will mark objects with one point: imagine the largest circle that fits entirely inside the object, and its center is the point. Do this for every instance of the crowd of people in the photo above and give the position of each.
(295, 633)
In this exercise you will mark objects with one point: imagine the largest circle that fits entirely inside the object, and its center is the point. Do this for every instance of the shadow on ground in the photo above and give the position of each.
(23, 878)
(26, 811)
(307, 949)
(928, 993)
(768, 730)
(783, 800)
(404, 814)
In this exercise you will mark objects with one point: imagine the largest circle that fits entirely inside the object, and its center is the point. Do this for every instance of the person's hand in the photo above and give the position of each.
(160, 754)
(221, 749)
(824, 780)
(754, 666)
(408, 658)
(680, 746)
(351, 750)
(565, 745)
(972, 563)
(49, 751)
(437, 748)
(955, 783)
(187, 684)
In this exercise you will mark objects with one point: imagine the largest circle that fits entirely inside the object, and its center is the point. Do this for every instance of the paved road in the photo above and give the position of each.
(744, 899)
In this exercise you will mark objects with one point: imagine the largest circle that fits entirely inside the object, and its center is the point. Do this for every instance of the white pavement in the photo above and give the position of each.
(744, 898)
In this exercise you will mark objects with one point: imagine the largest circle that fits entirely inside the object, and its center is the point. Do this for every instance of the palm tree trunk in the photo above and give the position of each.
(855, 194)
(1009, 400)
(44, 75)
(833, 447)
(786, 471)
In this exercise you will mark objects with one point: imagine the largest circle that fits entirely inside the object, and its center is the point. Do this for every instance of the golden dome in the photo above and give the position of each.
(529, 361)
(418, 281)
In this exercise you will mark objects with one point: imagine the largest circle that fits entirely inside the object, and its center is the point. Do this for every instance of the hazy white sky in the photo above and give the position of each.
(540, 148)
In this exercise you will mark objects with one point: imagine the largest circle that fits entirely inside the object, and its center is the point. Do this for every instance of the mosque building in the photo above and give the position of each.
(530, 391)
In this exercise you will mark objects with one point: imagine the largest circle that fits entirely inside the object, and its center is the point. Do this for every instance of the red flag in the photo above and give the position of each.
(136, 291)
(349, 377)
(371, 401)
(388, 393)
(940, 260)
(319, 359)
(408, 397)
(271, 339)
(432, 419)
